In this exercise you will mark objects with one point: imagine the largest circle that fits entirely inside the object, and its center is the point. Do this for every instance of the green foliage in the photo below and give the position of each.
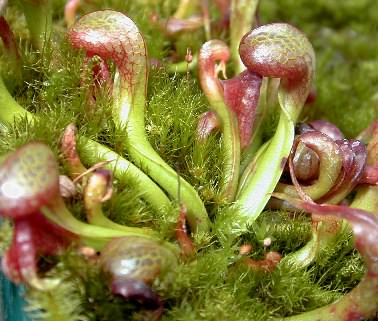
(96, 300)
(351, 112)
(288, 231)
(290, 291)
(332, 14)
(340, 267)
(61, 304)
(213, 285)
(5, 234)
(77, 297)
(174, 107)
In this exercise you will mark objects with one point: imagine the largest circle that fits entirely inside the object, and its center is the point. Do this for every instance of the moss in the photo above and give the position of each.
(211, 286)
(174, 107)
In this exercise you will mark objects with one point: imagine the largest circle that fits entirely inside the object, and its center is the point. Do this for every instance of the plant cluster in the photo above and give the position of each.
(164, 160)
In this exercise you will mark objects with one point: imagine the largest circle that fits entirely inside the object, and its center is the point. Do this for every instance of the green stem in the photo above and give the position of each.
(92, 152)
(146, 158)
(59, 214)
(11, 52)
(276, 51)
(356, 305)
(257, 188)
(230, 147)
(211, 52)
(30, 183)
(129, 91)
(367, 195)
(367, 199)
(10, 109)
(250, 170)
(151, 163)
(38, 14)
(361, 303)
(243, 14)
(323, 237)
(183, 66)
(186, 8)
(97, 188)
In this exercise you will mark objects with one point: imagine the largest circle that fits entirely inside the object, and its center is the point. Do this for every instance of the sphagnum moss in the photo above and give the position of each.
(212, 287)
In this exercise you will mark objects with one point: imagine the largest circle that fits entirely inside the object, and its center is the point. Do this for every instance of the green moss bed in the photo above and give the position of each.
(212, 285)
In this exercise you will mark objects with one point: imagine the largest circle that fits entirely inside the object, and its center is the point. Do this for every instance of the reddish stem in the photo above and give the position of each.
(182, 234)
(70, 153)
(9, 39)
(268, 264)
(70, 10)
